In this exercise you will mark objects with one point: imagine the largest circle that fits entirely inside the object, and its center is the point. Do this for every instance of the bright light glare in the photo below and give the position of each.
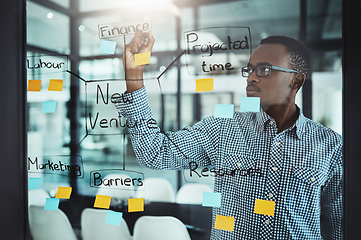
(162, 68)
(81, 28)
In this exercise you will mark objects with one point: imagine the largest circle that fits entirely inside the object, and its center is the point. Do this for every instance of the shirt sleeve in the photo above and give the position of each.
(166, 150)
(331, 201)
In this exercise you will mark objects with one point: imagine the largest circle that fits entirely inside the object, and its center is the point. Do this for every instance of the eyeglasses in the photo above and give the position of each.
(264, 70)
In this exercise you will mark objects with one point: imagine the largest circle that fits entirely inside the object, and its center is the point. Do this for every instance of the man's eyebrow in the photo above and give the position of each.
(260, 64)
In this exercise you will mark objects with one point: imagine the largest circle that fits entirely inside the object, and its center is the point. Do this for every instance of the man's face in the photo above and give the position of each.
(273, 89)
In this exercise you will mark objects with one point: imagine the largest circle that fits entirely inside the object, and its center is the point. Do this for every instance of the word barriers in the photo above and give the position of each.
(117, 179)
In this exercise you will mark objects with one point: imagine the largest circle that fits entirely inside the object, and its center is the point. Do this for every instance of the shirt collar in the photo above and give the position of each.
(262, 118)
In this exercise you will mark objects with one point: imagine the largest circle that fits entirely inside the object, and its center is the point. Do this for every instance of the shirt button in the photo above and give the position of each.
(313, 179)
(270, 195)
(277, 144)
(239, 164)
(267, 221)
(275, 169)
(271, 122)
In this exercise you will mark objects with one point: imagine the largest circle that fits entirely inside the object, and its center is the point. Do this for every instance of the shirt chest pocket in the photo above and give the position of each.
(310, 176)
(240, 166)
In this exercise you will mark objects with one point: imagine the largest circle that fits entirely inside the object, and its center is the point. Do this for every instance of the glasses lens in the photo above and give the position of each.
(246, 71)
(262, 71)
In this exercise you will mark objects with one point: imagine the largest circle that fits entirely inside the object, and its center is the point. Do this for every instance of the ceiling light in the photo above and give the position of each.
(81, 28)
(50, 15)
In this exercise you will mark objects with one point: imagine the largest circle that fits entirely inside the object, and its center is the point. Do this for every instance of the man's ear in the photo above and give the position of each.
(298, 81)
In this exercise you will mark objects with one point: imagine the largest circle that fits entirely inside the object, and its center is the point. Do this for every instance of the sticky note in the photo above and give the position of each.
(34, 85)
(204, 84)
(34, 183)
(49, 106)
(224, 110)
(264, 207)
(141, 58)
(135, 204)
(63, 192)
(224, 223)
(113, 218)
(102, 201)
(212, 199)
(55, 85)
(107, 47)
(52, 204)
(250, 104)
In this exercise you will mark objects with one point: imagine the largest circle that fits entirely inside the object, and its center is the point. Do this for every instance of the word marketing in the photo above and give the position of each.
(213, 172)
(53, 167)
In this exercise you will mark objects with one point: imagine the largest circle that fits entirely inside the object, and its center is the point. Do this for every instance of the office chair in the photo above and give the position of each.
(192, 193)
(157, 190)
(50, 224)
(93, 226)
(160, 228)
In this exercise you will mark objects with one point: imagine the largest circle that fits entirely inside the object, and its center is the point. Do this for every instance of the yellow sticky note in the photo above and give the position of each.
(135, 204)
(34, 85)
(141, 58)
(55, 85)
(204, 84)
(224, 223)
(63, 192)
(264, 207)
(102, 201)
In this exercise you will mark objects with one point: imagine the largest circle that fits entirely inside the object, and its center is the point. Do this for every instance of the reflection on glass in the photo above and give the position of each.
(271, 177)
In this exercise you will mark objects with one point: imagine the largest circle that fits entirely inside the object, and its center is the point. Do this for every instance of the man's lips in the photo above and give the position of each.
(252, 88)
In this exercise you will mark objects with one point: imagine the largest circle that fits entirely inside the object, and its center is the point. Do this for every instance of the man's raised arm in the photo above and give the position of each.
(153, 148)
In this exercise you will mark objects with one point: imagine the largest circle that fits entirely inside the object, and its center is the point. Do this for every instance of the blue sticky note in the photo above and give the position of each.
(34, 183)
(224, 110)
(250, 104)
(49, 106)
(52, 204)
(212, 199)
(107, 47)
(114, 218)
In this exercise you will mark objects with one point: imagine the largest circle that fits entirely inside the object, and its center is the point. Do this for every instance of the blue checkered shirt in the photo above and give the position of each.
(300, 169)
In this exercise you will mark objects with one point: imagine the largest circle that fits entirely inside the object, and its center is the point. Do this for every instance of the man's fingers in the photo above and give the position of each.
(151, 41)
(139, 38)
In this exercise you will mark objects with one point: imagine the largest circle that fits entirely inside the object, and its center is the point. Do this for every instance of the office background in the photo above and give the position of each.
(70, 30)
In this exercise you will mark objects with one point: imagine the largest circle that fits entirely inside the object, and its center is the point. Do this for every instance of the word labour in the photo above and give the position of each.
(123, 181)
(54, 166)
(121, 29)
(44, 64)
(213, 172)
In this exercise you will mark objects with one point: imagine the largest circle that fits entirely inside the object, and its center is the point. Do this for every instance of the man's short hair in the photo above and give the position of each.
(300, 58)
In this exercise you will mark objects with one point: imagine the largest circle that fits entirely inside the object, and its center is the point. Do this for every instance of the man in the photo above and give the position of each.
(290, 186)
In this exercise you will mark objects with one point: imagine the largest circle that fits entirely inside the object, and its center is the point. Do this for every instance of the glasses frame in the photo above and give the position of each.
(270, 67)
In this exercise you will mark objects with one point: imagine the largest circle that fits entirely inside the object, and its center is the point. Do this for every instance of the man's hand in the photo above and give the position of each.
(142, 42)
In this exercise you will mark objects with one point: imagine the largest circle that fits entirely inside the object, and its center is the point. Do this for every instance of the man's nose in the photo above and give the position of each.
(253, 77)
